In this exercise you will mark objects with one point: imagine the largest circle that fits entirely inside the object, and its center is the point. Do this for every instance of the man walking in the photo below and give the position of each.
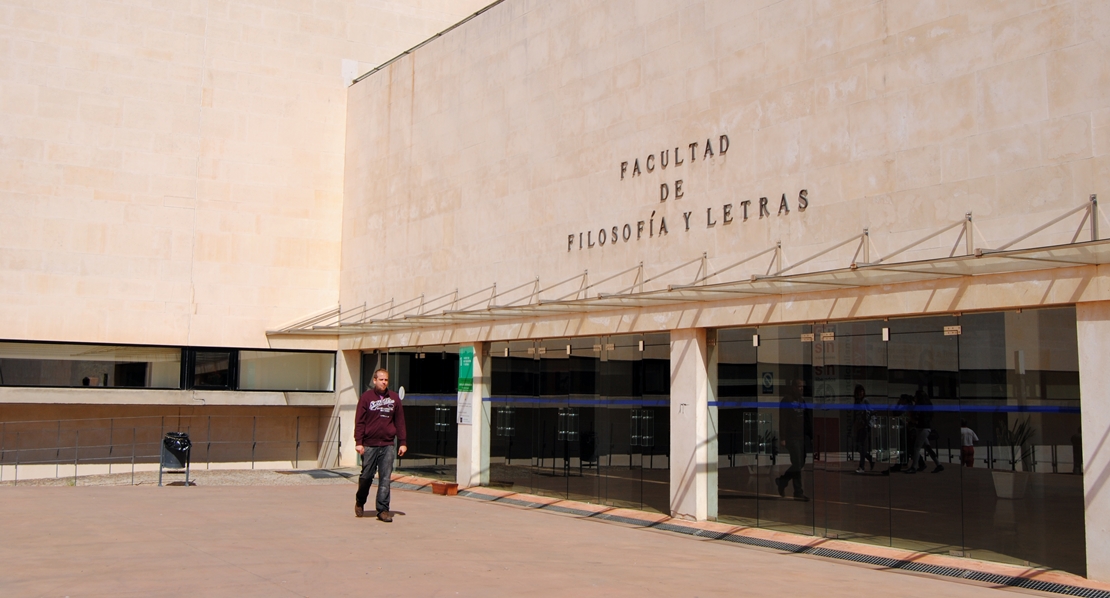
(796, 434)
(379, 419)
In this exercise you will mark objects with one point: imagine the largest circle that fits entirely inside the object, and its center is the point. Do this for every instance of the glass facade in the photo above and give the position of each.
(583, 418)
(430, 376)
(949, 434)
(75, 366)
(286, 371)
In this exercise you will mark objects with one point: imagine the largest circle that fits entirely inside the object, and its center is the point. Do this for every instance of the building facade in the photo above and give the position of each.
(171, 181)
(841, 231)
(770, 263)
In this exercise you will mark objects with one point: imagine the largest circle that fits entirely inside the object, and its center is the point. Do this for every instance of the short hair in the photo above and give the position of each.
(378, 371)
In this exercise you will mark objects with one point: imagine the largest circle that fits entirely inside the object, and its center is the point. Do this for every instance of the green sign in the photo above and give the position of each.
(466, 369)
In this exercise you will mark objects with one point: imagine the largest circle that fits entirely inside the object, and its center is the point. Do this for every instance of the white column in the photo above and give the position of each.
(342, 427)
(1093, 323)
(472, 464)
(689, 425)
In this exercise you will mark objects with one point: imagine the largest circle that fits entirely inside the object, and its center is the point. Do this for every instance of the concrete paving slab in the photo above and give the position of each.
(303, 540)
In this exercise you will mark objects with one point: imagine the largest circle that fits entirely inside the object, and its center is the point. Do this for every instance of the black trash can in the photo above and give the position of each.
(176, 448)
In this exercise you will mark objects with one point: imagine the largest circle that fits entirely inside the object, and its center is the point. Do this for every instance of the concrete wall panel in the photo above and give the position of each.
(173, 174)
(472, 161)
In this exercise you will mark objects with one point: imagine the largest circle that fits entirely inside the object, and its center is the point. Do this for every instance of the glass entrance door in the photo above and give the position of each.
(583, 418)
(515, 446)
(785, 398)
(924, 382)
(430, 378)
(747, 442)
(1022, 481)
(942, 434)
(635, 421)
(851, 421)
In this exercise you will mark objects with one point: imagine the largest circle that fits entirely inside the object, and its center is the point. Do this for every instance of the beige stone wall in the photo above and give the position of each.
(470, 162)
(171, 172)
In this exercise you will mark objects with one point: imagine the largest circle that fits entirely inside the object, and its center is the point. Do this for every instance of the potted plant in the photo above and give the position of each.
(1012, 484)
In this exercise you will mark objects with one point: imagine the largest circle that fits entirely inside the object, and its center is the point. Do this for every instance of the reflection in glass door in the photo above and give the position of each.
(514, 409)
(583, 418)
(924, 383)
(852, 431)
(635, 385)
(939, 434)
(785, 398)
(1022, 482)
(747, 442)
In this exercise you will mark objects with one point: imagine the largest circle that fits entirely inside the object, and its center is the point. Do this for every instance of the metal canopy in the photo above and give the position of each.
(982, 263)
(860, 275)
(449, 309)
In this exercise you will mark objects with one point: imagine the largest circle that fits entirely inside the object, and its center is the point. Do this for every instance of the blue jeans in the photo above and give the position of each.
(379, 458)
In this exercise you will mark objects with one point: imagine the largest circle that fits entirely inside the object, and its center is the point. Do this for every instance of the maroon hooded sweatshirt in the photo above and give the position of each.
(379, 418)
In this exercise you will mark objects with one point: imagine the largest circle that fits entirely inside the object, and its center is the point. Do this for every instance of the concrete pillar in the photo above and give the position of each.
(689, 425)
(472, 464)
(341, 430)
(1093, 324)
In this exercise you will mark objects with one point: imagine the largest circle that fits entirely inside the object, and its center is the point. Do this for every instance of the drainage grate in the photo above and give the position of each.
(991, 578)
(317, 474)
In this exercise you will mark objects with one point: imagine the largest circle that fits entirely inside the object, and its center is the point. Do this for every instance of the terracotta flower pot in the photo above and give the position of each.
(445, 488)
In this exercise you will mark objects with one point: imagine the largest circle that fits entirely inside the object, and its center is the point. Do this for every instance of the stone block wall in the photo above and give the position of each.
(171, 172)
(500, 152)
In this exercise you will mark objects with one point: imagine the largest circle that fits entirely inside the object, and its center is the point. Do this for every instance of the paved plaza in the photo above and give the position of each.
(302, 539)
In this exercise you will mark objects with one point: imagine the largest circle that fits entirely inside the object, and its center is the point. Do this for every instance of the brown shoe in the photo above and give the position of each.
(385, 516)
(358, 511)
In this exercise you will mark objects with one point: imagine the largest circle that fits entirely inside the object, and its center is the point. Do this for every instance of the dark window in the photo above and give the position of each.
(212, 369)
(131, 374)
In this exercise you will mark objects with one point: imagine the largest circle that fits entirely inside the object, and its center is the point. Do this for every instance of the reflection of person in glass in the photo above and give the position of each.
(902, 414)
(861, 427)
(1077, 451)
(922, 418)
(796, 434)
(968, 438)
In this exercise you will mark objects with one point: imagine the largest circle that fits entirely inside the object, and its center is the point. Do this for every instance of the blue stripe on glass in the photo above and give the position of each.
(884, 407)
(575, 401)
(409, 398)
